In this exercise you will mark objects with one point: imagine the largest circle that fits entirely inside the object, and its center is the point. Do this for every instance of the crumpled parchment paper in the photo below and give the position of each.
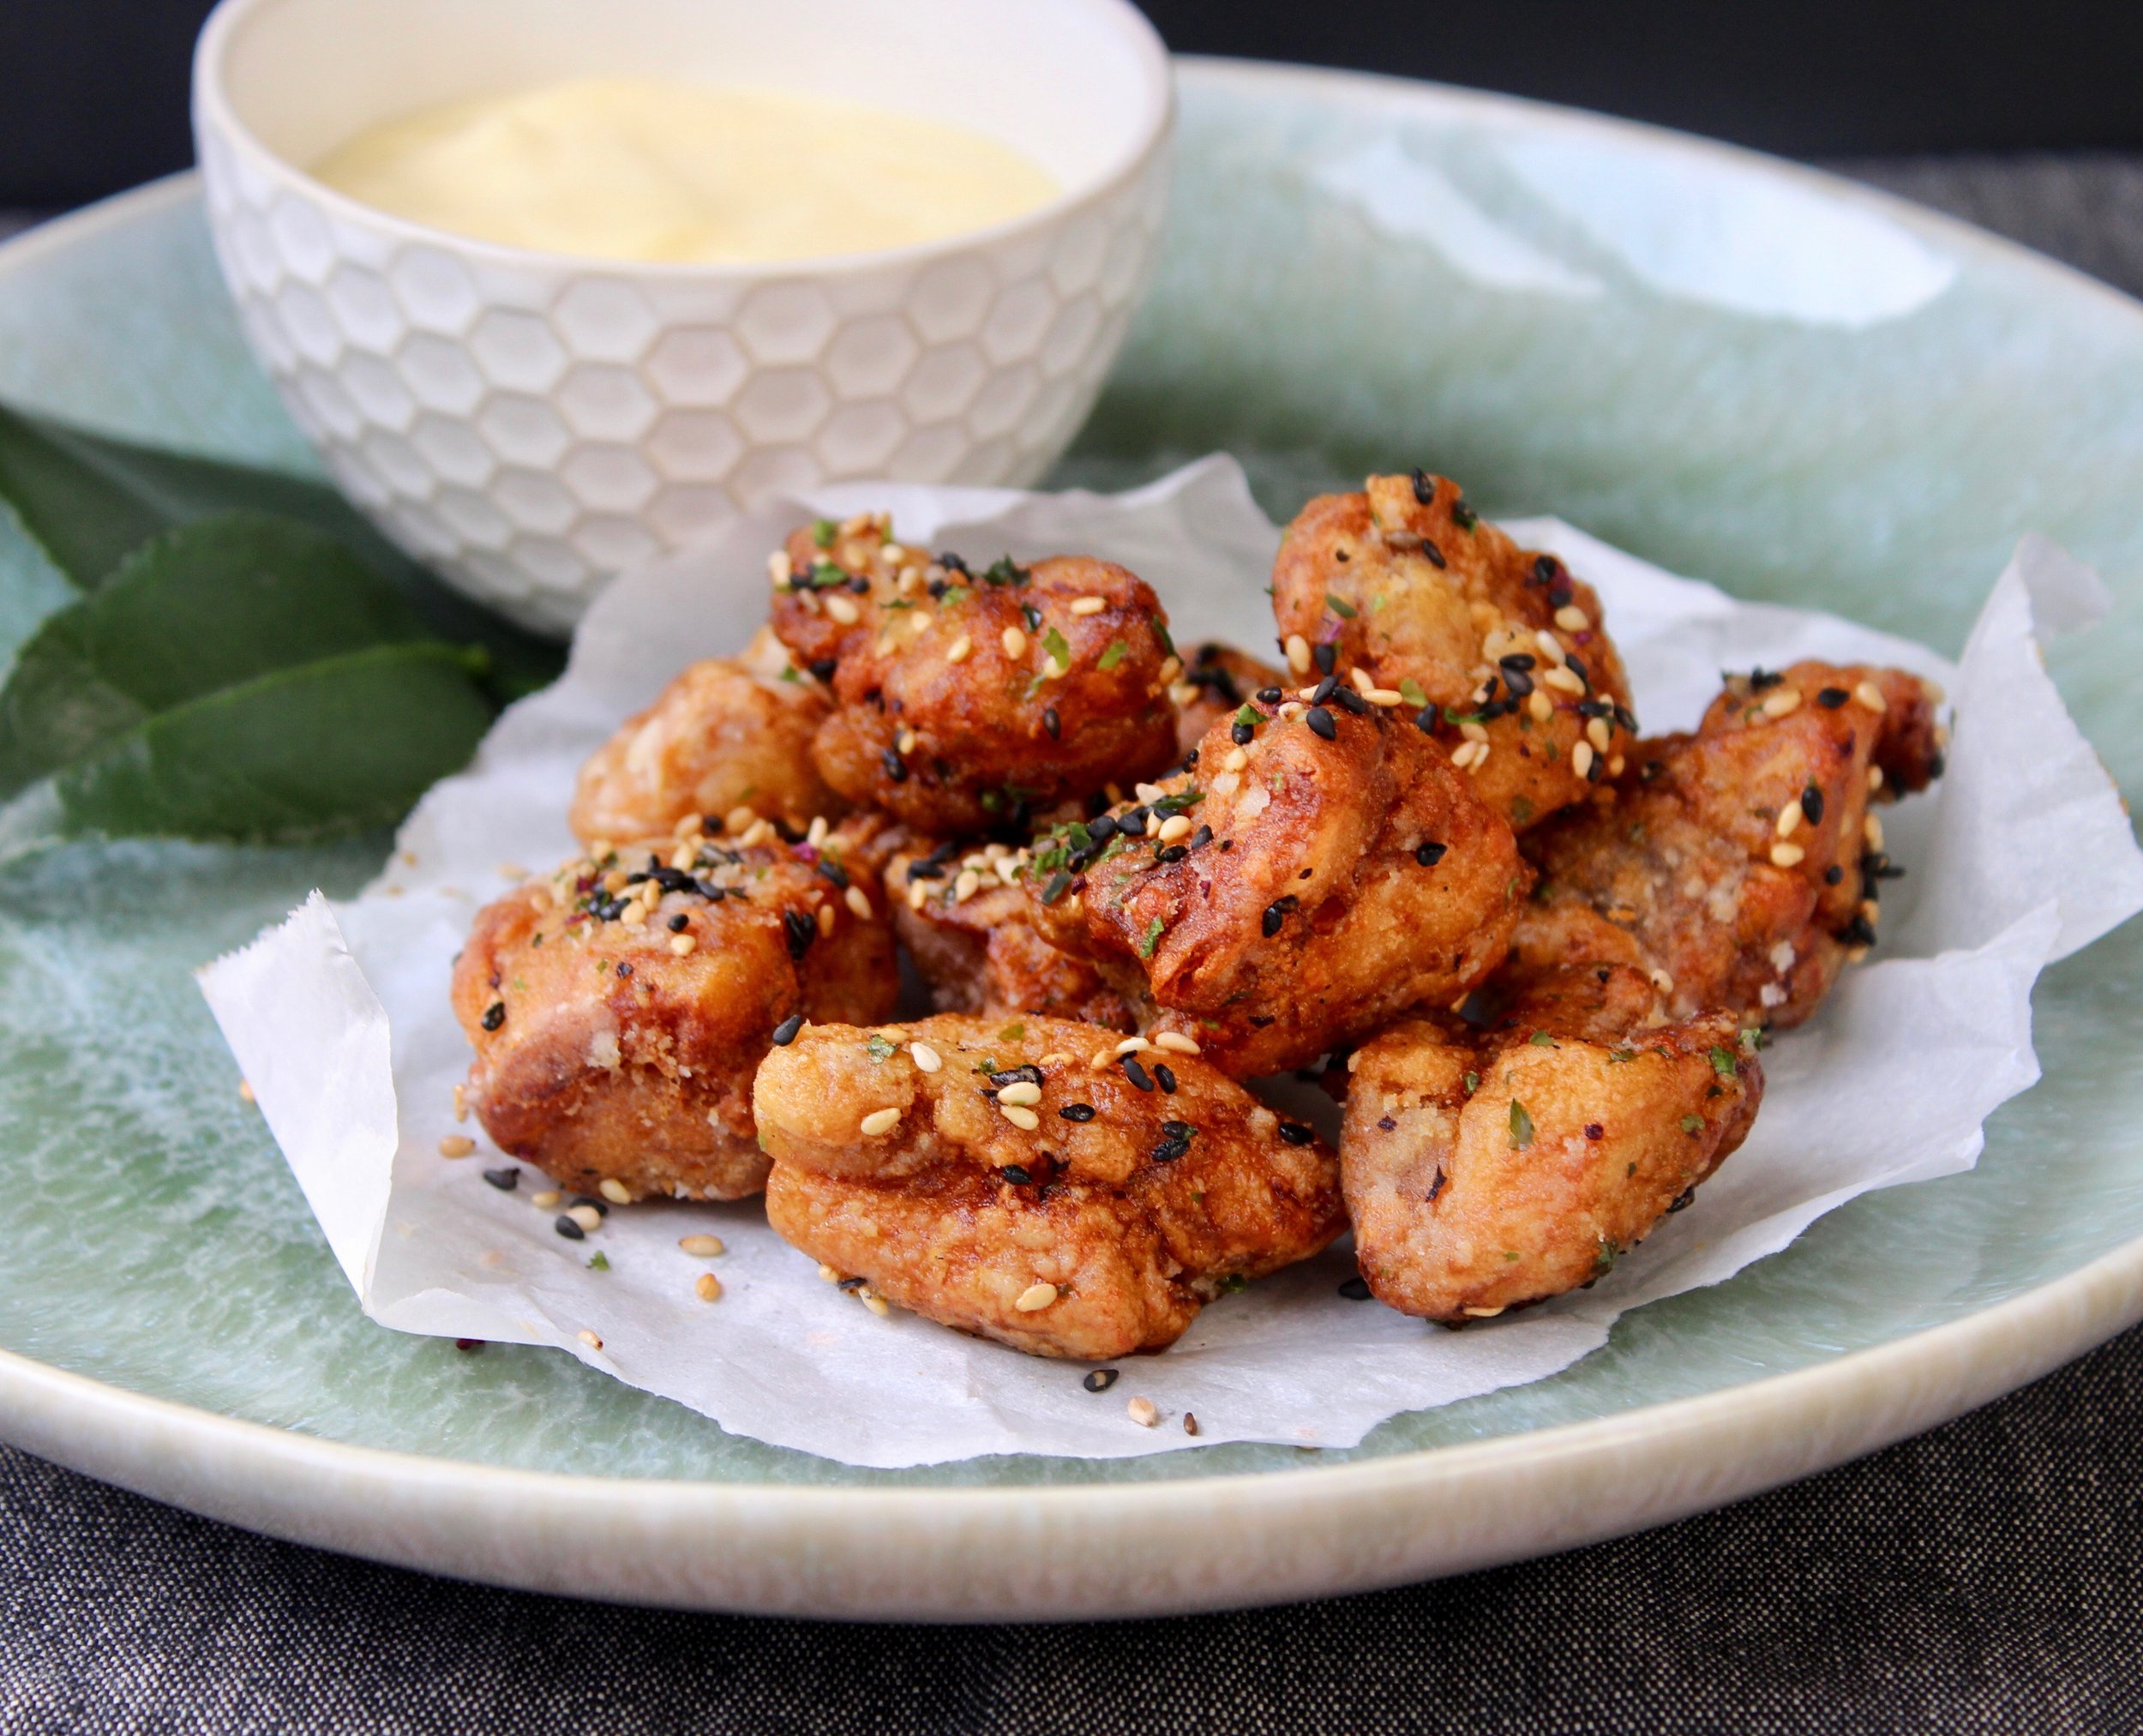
(339, 1019)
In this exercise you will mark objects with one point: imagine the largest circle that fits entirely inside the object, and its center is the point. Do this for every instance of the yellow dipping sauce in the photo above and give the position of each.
(644, 170)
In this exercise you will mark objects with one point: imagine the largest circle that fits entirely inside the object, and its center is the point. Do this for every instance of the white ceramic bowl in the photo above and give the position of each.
(529, 423)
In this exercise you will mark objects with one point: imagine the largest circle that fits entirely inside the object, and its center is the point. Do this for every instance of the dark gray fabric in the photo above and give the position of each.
(1987, 1578)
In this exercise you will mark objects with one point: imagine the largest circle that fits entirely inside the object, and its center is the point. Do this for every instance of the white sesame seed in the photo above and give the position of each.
(855, 900)
(1036, 1297)
(1781, 702)
(757, 833)
(1871, 911)
(1297, 649)
(958, 650)
(456, 1146)
(1056, 669)
(1101, 1058)
(1572, 619)
(1481, 1313)
(842, 609)
(880, 1121)
(1615, 766)
(825, 919)
(1385, 696)
(589, 1338)
(925, 1057)
(870, 1298)
(615, 1191)
(828, 1274)
(1564, 680)
(1581, 757)
(1790, 819)
(1170, 669)
(1153, 822)
(918, 894)
(1551, 647)
(1236, 759)
(905, 741)
(1176, 1040)
(1023, 1119)
(1541, 705)
(1363, 684)
(1871, 695)
(1662, 982)
(1144, 1411)
(1089, 606)
(461, 1099)
(543, 1200)
(707, 1288)
(1147, 792)
(682, 945)
(1473, 732)
(1018, 1092)
(1014, 641)
(1871, 829)
(1463, 754)
(586, 1217)
(702, 1247)
(1132, 1045)
(964, 885)
(780, 567)
(1175, 827)
(1787, 855)
(1874, 778)
(1599, 733)
(816, 835)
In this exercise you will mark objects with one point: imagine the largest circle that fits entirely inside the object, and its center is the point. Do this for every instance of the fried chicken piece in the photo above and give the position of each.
(1507, 647)
(1013, 1189)
(618, 1011)
(1487, 1169)
(1318, 872)
(959, 911)
(1741, 864)
(967, 702)
(1213, 686)
(729, 732)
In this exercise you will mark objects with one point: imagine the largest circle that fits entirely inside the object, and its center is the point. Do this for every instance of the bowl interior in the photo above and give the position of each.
(1080, 86)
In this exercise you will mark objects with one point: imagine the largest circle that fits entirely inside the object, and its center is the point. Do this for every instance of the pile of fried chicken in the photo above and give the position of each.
(1430, 861)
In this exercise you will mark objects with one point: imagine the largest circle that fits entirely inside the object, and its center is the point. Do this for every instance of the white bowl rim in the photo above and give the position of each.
(214, 111)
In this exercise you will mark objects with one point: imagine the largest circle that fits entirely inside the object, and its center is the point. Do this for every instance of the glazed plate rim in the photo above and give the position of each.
(1093, 1549)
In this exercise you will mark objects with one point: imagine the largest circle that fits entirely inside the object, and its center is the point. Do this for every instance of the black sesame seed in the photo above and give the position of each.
(1135, 1073)
(1352, 701)
(833, 871)
(1559, 595)
(1682, 1200)
(785, 1032)
(1355, 1290)
(1165, 1077)
(623, 968)
(1201, 838)
(1936, 764)
(799, 930)
(1325, 656)
(1859, 932)
(1270, 696)
(1593, 1130)
(1424, 488)
(1171, 853)
(1429, 853)
(1169, 1150)
(1626, 718)
(1101, 828)
(1015, 1174)
(1833, 874)
(1028, 1074)
(1177, 1130)
(1275, 916)
(679, 923)
(1320, 722)
(1100, 1380)
(1760, 678)
(1425, 720)
(1294, 1134)
(824, 668)
(1463, 515)
(1324, 690)
(1544, 569)
(1242, 735)
(1578, 668)
(601, 1206)
(506, 1180)
(1052, 722)
(1435, 554)
(494, 1015)
(567, 1228)
(896, 768)
(852, 1285)
(1076, 1111)
(1831, 698)
(926, 871)
(1812, 804)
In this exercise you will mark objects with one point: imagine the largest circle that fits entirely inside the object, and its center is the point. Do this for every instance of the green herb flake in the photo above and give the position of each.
(823, 532)
(789, 673)
(1058, 884)
(1116, 651)
(1511, 1253)
(824, 576)
(599, 1262)
(1055, 645)
(1151, 938)
(1616, 1057)
(1003, 571)
(1014, 1032)
(1233, 1284)
(1410, 691)
(1540, 1039)
(1472, 1083)
(1520, 1126)
(955, 595)
(1692, 1124)
(1604, 1261)
(880, 1048)
(1340, 606)
(1249, 717)
(1723, 1063)
(1161, 632)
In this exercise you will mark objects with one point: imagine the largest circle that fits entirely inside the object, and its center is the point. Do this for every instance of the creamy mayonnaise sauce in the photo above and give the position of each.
(647, 169)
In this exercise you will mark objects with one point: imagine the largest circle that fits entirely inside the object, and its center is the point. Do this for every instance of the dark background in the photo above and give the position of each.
(92, 92)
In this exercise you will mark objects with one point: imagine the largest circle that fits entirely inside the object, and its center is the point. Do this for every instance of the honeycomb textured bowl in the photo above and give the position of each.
(530, 426)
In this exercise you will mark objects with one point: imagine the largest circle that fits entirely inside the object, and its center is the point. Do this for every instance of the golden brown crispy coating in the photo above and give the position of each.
(1487, 1169)
(1212, 686)
(1407, 584)
(1305, 884)
(959, 911)
(967, 702)
(1089, 1233)
(609, 1049)
(727, 733)
(1741, 864)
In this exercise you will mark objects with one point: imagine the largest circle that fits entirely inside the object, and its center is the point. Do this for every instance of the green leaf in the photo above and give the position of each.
(1410, 691)
(1151, 938)
(880, 1047)
(241, 679)
(1339, 606)
(1116, 651)
(1520, 1126)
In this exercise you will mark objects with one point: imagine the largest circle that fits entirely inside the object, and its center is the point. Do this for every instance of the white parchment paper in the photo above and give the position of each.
(340, 1021)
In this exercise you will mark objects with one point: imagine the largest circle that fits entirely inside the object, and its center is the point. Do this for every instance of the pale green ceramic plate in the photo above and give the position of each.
(1737, 368)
